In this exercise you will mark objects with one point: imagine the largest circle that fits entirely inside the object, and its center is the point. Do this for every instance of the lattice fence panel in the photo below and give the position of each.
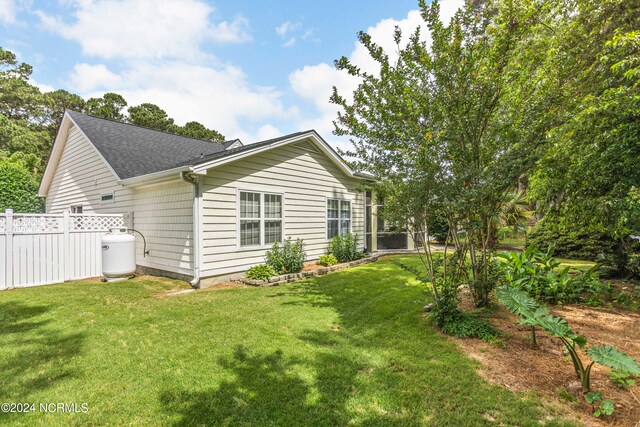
(26, 224)
(96, 222)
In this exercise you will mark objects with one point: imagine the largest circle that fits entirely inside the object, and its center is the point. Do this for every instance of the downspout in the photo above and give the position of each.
(186, 176)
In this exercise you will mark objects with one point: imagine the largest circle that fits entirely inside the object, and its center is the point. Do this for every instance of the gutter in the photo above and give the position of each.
(154, 178)
(187, 177)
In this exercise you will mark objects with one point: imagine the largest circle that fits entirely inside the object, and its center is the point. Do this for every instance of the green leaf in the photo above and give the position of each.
(609, 356)
(517, 301)
(593, 396)
(607, 407)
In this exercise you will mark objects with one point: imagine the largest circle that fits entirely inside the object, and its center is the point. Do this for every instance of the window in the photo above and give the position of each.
(338, 217)
(106, 198)
(260, 218)
(76, 209)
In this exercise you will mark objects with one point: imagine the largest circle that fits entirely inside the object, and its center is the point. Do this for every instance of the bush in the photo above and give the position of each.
(536, 273)
(327, 260)
(288, 258)
(343, 247)
(573, 243)
(18, 188)
(464, 325)
(260, 272)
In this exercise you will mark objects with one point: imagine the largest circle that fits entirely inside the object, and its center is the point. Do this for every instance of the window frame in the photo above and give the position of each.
(74, 209)
(327, 219)
(261, 218)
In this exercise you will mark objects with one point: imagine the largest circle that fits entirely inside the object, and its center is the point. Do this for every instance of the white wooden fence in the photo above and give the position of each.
(38, 249)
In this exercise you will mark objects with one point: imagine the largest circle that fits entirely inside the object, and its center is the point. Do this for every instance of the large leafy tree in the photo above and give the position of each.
(589, 178)
(440, 127)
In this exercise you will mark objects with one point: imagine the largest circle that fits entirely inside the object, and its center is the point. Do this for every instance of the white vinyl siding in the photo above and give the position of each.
(163, 213)
(82, 177)
(305, 177)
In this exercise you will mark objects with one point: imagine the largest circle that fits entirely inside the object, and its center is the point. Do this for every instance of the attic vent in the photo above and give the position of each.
(307, 146)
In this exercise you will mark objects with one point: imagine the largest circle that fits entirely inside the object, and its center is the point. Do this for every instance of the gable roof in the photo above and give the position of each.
(134, 153)
(133, 150)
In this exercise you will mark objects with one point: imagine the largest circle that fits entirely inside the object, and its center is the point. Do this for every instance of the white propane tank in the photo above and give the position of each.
(118, 254)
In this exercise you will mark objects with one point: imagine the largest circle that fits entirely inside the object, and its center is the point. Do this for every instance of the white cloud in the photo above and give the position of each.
(219, 97)
(292, 31)
(8, 11)
(315, 83)
(161, 59)
(42, 86)
(86, 77)
(267, 131)
(288, 27)
(145, 28)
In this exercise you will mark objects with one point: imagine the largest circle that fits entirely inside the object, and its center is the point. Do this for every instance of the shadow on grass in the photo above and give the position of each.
(270, 390)
(379, 363)
(34, 356)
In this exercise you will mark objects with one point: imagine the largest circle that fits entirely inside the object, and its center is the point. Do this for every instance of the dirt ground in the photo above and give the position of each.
(548, 371)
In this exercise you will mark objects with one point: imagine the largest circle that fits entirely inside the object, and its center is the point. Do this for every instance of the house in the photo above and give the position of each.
(208, 211)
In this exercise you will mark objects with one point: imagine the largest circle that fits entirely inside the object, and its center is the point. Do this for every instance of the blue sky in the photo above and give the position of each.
(250, 69)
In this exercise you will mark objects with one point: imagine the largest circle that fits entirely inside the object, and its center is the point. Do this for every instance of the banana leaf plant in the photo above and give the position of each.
(533, 314)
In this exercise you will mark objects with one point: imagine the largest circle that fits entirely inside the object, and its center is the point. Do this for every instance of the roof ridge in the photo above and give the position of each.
(151, 129)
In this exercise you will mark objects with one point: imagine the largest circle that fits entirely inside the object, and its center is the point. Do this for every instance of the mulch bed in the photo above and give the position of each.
(549, 371)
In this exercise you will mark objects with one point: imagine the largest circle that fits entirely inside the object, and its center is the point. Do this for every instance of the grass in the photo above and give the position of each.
(349, 348)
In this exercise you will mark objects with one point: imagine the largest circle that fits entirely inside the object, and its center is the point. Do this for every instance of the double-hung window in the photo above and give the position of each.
(260, 218)
(338, 217)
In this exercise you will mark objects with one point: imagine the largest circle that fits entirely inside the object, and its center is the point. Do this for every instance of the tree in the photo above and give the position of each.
(18, 186)
(588, 179)
(55, 104)
(19, 136)
(18, 98)
(436, 127)
(198, 131)
(109, 106)
(150, 116)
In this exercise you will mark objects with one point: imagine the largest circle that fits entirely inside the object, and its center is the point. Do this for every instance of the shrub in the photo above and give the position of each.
(260, 272)
(327, 260)
(343, 247)
(615, 255)
(18, 188)
(464, 325)
(288, 257)
(536, 273)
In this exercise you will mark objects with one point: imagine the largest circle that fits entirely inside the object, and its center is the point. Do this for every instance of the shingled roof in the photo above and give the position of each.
(135, 150)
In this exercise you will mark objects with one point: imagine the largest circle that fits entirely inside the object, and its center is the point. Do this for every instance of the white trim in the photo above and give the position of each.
(261, 218)
(55, 156)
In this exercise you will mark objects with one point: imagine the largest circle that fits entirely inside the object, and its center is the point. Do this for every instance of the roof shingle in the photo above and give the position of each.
(134, 150)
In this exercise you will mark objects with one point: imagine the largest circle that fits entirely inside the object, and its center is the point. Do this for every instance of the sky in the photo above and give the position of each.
(250, 69)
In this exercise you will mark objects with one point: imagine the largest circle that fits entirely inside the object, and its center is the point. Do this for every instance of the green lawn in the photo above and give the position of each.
(348, 348)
